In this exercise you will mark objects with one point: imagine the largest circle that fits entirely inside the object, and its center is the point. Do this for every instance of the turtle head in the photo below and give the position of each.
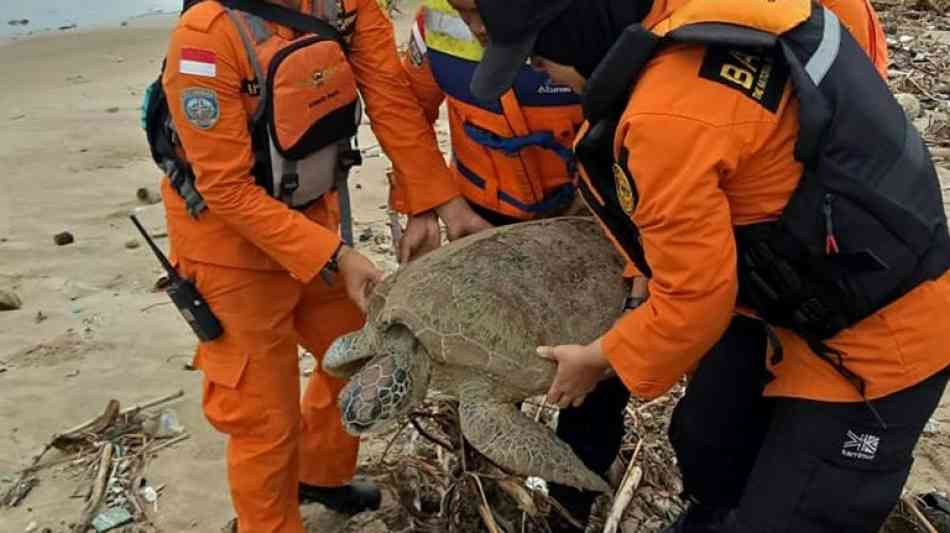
(388, 386)
(348, 353)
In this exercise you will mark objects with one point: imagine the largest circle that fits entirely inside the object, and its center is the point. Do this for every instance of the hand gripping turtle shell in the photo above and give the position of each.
(466, 320)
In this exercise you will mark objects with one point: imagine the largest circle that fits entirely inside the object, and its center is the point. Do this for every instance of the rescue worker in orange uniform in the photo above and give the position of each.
(267, 255)
(512, 162)
(747, 157)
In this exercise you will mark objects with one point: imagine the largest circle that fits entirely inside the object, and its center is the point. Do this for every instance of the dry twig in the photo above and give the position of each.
(99, 489)
(912, 505)
(631, 480)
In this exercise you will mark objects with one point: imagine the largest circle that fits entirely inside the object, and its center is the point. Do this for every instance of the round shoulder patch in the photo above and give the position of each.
(625, 194)
(201, 107)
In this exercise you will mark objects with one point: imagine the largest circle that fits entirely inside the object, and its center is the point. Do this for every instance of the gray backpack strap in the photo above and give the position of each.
(249, 47)
(328, 10)
(346, 211)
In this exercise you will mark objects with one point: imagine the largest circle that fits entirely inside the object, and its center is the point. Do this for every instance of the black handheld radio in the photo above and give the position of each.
(185, 295)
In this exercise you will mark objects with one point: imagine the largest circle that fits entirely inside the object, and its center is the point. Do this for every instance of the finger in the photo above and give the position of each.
(553, 396)
(547, 352)
(579, 400)
(361, 299)
(564, 401)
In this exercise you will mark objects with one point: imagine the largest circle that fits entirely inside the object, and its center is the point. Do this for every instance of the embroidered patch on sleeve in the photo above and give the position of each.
(197, 62)
(625, 194)
(201, 107)
(761, 77)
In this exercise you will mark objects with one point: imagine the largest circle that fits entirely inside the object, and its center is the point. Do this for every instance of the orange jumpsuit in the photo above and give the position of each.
(256, 261)
(726, 165)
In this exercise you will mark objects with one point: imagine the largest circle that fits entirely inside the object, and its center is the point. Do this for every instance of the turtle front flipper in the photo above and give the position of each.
(513, 441)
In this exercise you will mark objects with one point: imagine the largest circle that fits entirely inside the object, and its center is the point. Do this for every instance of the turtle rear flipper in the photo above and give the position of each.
(513, 441)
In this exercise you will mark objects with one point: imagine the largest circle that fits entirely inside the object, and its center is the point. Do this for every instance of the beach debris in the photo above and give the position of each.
(910, 104)
(366, 235)
(162, 425)
(111, 519)
(64, 238)
(19, 491)
(9, 301)
(110, 453)
(65, 27)
(161, 283)
(132, 244)
(18, 22)
(72, 374)
(17, 116)
(113, 109)
(32, 526)
(40, 317)
(148, 196)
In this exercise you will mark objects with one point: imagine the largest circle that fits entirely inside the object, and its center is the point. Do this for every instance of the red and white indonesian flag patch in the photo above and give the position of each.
(198, 62)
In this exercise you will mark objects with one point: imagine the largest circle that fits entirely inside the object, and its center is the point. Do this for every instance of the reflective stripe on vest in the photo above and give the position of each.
(446, 32)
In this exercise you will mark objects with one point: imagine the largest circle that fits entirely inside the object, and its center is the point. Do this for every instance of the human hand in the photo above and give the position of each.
(460, 219)
(360, 275)
(579, 369)
(422, 235)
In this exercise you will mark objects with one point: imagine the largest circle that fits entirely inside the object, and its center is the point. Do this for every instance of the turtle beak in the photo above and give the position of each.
(341, 360)
(347, 371)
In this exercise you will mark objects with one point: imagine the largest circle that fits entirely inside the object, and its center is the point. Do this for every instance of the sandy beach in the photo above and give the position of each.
(91, 328)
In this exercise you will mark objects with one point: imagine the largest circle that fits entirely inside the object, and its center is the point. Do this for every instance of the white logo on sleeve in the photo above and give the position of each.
(860, 446)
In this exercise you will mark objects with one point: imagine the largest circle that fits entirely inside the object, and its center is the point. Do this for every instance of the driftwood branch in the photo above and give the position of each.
(484, 510)
(912, 505)
(147, 405)
(940, 152)
(98, 490)
(167, 443)
(631, 479)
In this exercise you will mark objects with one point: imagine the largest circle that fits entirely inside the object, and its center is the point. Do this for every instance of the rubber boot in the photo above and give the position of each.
(356, 497)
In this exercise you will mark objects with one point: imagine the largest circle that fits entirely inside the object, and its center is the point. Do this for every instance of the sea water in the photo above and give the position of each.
(51, 15)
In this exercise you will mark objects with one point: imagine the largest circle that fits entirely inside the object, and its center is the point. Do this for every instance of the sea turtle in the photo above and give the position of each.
(466, 320)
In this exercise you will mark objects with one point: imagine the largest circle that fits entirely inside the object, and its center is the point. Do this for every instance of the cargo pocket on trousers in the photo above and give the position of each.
(222, 365)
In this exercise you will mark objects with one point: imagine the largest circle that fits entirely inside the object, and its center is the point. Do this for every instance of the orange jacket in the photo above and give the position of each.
(244, 227)
(704, 158)
(520, 185)
(858, 16)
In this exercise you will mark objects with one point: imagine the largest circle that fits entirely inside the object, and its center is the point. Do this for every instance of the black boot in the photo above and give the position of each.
(356, 497)
(698, 518)
(576, 502)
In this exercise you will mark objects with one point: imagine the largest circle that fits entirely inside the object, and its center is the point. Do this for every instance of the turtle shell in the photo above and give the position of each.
(486, 302)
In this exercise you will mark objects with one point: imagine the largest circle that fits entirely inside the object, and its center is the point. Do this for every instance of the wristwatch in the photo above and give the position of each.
(633, 302)
(332, 267)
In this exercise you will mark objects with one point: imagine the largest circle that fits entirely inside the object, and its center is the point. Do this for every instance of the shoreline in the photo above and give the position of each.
(144, 20)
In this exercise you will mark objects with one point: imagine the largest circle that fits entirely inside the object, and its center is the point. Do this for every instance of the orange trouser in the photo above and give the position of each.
(252, 389)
